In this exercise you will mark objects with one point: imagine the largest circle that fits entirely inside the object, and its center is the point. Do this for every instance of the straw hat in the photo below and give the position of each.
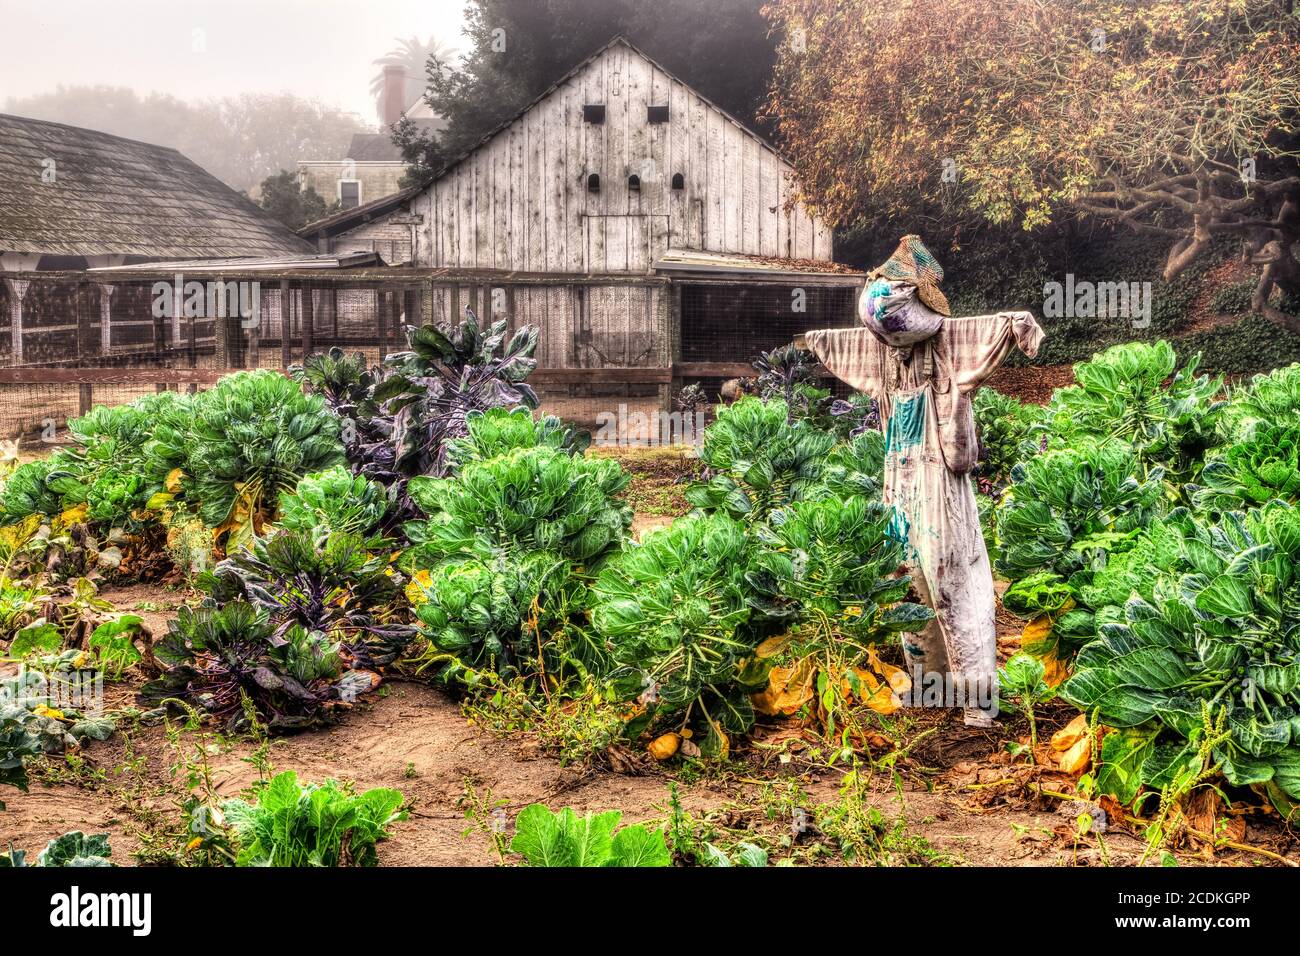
(913, 263)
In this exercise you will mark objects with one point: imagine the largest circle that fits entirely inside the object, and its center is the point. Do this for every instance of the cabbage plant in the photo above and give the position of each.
(245, 441)
(1136, 393)
(527, 499)
(1069, 507)
(757, 460)
(675, 610)
(214, 657)
(325, 582)
(1209, 634)
(496, 431)
(334, 500)
(1257, 469)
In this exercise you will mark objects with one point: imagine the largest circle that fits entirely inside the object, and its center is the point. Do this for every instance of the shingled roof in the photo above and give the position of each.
(114, 196)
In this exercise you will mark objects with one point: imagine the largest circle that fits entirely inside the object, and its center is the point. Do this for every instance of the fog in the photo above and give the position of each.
(208, 49)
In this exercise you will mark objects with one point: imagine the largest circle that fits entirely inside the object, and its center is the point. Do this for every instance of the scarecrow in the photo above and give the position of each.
(921, 366)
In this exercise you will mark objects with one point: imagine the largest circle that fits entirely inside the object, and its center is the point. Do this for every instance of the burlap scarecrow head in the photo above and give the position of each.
(912, 263)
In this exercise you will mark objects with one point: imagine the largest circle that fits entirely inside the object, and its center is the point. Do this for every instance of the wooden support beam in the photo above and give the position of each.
(600, 376)
(381, 322)
(86, 345)
(109, 376)
(426, 303)
(308, 322)
(286, 310)
(255, 334)
(220, 340)
(17, 292)
(160, 331)
(395, 315)
(106, 318)
(726, 370)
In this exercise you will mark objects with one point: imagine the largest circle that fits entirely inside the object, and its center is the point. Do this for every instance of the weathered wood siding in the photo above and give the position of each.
(391, 236)
(521, 201)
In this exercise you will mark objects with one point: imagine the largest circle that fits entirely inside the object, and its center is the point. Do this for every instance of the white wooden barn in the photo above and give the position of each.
(631, 219)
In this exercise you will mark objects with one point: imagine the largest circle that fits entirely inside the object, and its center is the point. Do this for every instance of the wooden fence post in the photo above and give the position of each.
(106, 318)
(308, 325)
(286, 310)
(255, 333)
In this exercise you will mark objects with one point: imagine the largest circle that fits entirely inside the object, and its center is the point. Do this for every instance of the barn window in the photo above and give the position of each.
(657, 114)
(593, 113)
(593, 183)
(634, 183)
(679, 181)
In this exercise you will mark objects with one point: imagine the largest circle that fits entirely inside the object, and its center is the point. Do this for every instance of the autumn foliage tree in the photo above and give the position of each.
(1175, 118)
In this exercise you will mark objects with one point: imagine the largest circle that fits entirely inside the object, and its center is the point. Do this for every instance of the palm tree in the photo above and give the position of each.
(412, 54)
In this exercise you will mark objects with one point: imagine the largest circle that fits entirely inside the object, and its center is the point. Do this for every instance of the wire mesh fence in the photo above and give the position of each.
(612, 351)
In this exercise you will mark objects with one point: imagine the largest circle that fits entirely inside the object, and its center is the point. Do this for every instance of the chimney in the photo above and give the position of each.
(394, 93)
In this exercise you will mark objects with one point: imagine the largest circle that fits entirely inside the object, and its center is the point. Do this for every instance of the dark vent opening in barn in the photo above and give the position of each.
(634, 183)
(592, 113)
(657, 114)
(593, 183)
(679, 181)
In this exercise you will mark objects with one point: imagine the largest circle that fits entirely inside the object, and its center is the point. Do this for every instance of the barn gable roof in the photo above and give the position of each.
(616, 41)
(115, 196)
(346, 219)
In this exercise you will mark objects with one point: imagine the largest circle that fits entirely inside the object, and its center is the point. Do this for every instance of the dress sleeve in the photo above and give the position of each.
(976, 345)
(854, 356)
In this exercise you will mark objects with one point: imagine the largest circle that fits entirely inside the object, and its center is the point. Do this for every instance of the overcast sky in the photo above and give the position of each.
(199, 49)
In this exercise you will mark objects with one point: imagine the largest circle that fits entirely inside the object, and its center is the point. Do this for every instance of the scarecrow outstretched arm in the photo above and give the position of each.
(854, 356)
(977, 344)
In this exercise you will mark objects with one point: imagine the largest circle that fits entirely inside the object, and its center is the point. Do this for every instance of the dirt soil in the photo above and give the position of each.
(1031, 383)
(415, 739)
(956, 788)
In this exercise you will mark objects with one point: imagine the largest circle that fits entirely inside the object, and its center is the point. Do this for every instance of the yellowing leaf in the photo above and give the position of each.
(1036, 632)
(788, 689)
(70, 517)
(773, 646)
(159, 501)
(898, 679)
(663, 747)
(1077, 758)
(1068, 736)
(416, 591)
(1055, 670)
(173, 482)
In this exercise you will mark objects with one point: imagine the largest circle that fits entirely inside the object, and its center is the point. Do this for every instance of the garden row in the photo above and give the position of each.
(353, 522)
(1147, 518)
(417, 518)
